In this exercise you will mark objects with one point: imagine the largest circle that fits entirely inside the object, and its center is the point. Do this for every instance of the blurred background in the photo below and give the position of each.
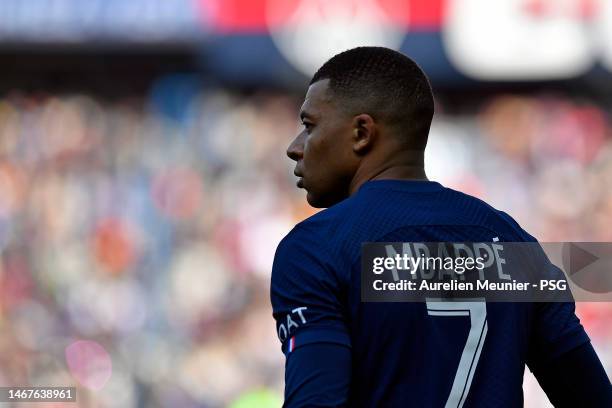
(144, 185)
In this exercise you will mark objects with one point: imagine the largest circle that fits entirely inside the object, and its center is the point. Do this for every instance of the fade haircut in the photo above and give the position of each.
(385, 84)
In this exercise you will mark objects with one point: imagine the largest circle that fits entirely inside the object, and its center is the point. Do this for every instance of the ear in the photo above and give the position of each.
(364, 133)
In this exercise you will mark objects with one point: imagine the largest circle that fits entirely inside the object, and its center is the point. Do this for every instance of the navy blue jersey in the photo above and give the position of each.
(412, 354)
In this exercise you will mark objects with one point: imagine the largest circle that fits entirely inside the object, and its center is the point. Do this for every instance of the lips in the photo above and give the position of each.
(300, 182)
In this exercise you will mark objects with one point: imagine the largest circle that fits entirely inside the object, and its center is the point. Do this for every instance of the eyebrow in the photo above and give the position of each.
(306, 115)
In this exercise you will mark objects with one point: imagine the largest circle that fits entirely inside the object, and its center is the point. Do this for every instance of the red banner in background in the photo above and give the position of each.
(254, 16)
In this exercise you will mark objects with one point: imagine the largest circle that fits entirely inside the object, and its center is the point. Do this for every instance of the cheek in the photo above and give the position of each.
(315, 150)
(326, 159)
(325, 143)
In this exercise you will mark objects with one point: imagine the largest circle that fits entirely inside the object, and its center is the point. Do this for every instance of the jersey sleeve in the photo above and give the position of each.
(556, 331)
(318, 375)
(576, 379)
(306, 293)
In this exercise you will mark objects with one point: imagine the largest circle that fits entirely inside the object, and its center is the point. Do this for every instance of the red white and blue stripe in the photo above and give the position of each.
(291, 344)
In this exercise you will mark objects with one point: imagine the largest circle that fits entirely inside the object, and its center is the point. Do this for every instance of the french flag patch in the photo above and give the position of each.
(291, 344)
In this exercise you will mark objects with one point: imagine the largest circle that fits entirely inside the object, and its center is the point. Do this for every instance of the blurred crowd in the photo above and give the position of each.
(137, 233)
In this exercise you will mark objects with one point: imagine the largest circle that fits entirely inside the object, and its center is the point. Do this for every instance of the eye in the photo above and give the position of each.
(308, 126)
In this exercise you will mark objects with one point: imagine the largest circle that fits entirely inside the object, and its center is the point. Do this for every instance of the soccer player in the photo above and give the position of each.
(366, 119)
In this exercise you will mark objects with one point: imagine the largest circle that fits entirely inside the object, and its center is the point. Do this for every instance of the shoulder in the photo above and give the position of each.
(317, 230)
(479, 213)
(304, 237)
(313, 248)
(304, 245)
(303, 266)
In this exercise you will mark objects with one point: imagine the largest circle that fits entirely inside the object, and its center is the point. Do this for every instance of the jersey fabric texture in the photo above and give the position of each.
(405, 354)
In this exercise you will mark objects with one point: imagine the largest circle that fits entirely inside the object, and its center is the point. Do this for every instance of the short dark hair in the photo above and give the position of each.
(385, 84)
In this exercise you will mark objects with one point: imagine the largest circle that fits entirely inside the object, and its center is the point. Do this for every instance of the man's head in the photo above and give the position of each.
(363, 109)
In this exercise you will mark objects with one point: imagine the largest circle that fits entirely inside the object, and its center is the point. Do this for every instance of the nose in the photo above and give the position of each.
(295, 151)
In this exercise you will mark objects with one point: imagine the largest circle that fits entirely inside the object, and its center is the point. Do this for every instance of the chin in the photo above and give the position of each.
(318, 201)
(313, 200)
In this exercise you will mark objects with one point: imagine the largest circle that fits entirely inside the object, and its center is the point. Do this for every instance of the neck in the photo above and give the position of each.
(409, 165)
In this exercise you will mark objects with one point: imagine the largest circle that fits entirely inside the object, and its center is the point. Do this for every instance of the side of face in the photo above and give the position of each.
(323, 150)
